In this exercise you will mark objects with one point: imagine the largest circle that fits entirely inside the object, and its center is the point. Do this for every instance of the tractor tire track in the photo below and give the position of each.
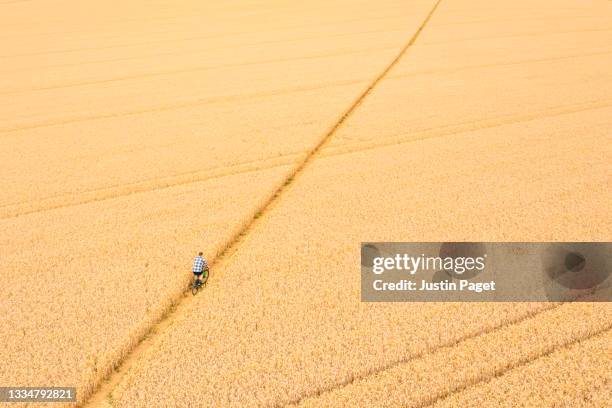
(193, 70)
(141, 186)
(455, 343)
(353, 146)
(523, 363)
(468, 341)
(8, 130)
(350, 147)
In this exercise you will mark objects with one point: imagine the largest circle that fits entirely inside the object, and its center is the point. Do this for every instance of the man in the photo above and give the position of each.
(199, 267)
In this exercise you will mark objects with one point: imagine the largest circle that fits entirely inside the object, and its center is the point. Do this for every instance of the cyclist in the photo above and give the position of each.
(200, 267)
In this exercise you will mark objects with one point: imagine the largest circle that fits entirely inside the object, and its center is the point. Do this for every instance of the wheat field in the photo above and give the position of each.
(135, 138)
(275, 137)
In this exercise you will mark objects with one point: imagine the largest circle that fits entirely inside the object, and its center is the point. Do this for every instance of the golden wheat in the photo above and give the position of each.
(284, 323)
(134, 136)
(576, 376)
(75, 300)
(420, 381)
(225, 95)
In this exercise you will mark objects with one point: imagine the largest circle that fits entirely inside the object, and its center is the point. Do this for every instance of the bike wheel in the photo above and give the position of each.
(194, 290)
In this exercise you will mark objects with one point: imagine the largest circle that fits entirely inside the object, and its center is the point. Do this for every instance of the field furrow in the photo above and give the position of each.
(432, 377)
(354, 145)
(576, 376)
(63, 201)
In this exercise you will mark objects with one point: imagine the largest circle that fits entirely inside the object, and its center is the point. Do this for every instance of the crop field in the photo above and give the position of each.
(576, 376)
(275, 136)
(132, 140)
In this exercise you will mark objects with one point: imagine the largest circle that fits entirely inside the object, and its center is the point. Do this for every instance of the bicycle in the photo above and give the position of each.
(197, 284)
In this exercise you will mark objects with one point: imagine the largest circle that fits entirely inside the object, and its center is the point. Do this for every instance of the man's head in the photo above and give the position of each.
(200, 253)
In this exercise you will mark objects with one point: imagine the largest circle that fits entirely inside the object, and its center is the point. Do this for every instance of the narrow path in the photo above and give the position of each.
(100, 397)
(456, 343)
(49, 203)
(526, 362)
